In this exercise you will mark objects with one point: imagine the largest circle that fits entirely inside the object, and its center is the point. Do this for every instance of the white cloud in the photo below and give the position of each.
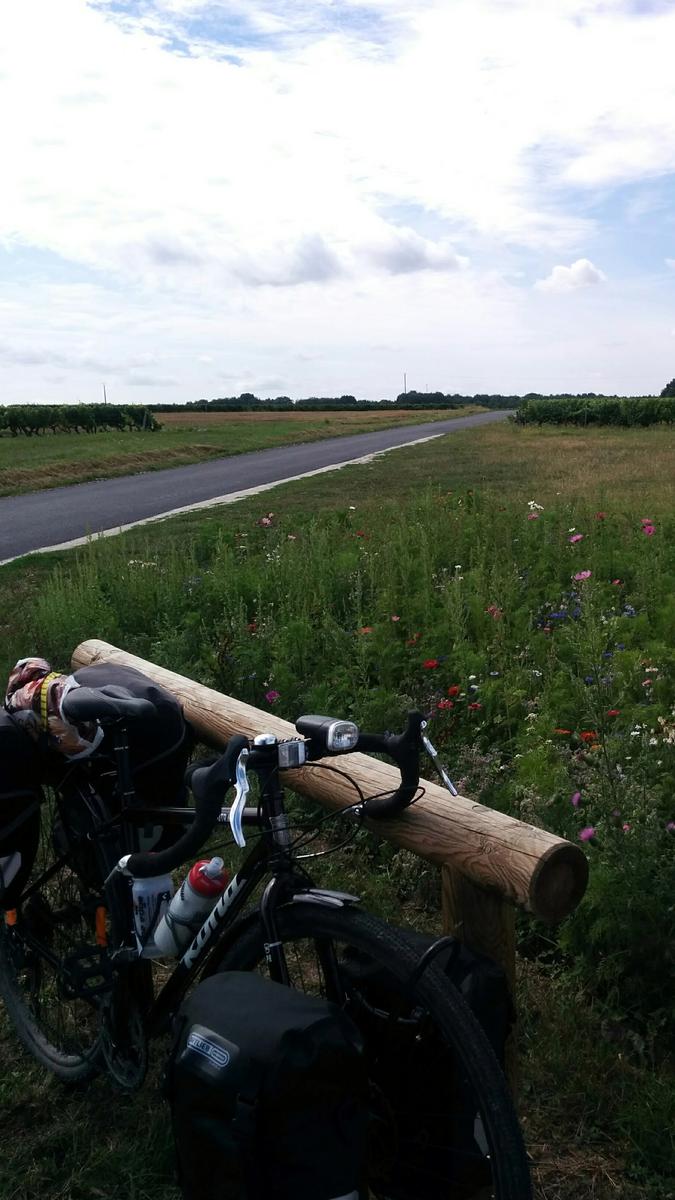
(581, 274)
(401, 251)
(670, 262)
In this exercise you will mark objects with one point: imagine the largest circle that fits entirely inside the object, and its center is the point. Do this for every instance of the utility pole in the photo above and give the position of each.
(405, 385)
(105, 398)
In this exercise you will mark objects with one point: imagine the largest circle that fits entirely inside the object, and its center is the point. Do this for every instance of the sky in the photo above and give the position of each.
(204, 197)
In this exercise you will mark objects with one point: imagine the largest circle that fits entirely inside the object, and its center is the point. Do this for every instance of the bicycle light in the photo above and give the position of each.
(338, 737)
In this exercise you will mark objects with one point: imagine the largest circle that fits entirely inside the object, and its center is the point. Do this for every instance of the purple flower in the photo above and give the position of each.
(586, 834)
(574, 799)
(671, 827)
(272, 696)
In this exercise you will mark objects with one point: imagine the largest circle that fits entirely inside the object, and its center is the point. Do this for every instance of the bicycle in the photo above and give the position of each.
(80, 992)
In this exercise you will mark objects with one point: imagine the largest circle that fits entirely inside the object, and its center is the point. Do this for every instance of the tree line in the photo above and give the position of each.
(33, 419)
(248, 402)
(598, 410)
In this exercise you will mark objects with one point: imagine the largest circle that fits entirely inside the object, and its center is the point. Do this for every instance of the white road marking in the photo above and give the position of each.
(231, 498)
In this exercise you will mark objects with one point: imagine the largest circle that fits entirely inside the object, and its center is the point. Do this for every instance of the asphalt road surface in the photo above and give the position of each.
(47, 519)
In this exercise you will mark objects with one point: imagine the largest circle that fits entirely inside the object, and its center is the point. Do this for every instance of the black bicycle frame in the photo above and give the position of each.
(271, 855)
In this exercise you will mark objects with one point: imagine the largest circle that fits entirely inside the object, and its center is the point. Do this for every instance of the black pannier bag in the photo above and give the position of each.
(268, 1093)
(424, 1094)
(20, 798)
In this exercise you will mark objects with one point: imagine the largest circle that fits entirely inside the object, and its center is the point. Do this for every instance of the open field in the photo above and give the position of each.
(517, 585)
(53, 460)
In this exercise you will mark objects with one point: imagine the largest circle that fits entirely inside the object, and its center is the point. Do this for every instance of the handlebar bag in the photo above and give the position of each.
(20, 797)
(159, 747)
(268, 1094)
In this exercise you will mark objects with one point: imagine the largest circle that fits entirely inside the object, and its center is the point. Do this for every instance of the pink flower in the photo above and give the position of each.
(646, 521)
(649, 530)
(445, 704)
(476, 705)
(581, 575)
(671, 827)
(394, 617)
(574, 800)
(617, 583)
(587, 833)
(272, 696)
(576, 537)
(533, 516)
(366, 629)
(600, 516)
(647, 682)
(626, 826)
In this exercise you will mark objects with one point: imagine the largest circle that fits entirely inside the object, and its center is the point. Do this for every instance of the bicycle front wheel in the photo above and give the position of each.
(442, 1124)
(51, 969)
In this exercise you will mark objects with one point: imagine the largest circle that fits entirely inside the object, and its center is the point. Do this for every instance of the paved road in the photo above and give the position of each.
(46, 519)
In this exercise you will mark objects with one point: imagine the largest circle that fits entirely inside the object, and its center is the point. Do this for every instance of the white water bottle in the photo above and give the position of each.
(190, 906)
(151, 899)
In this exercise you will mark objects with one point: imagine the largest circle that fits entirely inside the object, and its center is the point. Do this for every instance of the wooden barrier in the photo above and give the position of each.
(519, 863)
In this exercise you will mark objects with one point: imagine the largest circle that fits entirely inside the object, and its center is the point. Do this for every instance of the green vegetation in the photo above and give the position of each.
(54, 460)
(34, 419)
(597, 410)
(523, 597)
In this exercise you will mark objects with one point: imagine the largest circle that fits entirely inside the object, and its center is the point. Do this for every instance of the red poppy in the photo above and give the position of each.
(366, 629)
(412, 641)
(445, 704)
(252, 627)
(454, 690)
(589, 735)
(430, 664)
(476, 704)
(562, 732)
(613, 712)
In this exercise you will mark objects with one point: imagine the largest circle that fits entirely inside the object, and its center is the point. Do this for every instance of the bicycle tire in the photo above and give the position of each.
(448, 1023)
(52, 923)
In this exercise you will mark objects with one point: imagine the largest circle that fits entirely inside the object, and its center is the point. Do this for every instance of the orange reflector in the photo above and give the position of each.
(10, 916)
(101, 930)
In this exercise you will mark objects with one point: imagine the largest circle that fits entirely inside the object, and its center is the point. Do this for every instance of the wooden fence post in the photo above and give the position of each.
(484, 922)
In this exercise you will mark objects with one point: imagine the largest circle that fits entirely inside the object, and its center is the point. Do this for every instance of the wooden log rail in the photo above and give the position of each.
(489, 861)
(520, 863)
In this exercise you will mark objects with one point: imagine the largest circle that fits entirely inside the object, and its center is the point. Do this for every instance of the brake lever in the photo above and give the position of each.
(433, 755)
(239, 804)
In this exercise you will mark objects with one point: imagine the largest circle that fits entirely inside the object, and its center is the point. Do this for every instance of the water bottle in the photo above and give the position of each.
(190, 906)
(151, 899)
